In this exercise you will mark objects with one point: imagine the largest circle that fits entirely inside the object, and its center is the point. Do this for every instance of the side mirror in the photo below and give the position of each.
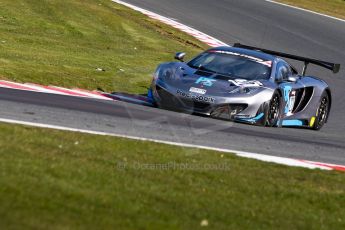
(180, 56)
(292, 79)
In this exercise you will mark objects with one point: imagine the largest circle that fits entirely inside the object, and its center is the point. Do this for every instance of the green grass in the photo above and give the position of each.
(62, 180)
(62, 43)
(334, 8)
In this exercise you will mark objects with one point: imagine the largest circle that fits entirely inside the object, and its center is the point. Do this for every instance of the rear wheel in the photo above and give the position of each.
(322, 112)
(273, 110)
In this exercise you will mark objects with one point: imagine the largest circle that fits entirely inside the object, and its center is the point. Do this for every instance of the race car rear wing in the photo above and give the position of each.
(328, 65)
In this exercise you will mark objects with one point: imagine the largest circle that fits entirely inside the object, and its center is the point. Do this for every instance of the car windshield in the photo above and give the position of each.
(233, 65)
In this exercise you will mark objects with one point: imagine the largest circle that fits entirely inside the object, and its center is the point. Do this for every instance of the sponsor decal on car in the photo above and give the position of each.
(267, 63)
(197, 90)
(287, 89)
(195, 97)
(244, 86)
(246, 83)
(205, 81)
(291, 102)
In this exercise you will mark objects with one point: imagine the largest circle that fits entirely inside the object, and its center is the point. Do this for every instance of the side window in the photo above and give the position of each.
(283, 71)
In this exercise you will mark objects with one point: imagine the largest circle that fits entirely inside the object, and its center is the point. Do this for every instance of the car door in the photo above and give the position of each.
(290, 86)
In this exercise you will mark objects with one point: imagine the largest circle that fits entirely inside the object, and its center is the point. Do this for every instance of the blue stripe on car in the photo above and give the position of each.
(292, 123)
(287, 89)
(150, 96)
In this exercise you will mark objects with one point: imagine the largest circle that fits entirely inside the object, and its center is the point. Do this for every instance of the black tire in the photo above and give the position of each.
(322, 112)
(273, 110)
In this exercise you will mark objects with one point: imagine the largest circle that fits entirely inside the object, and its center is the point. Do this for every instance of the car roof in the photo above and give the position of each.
(253, 53)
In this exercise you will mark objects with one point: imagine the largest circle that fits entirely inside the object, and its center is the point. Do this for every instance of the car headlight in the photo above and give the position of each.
(245, 90)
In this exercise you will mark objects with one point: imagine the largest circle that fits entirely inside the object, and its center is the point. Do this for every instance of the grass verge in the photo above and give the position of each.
(62, 180)
(335, 8)
(64, 42)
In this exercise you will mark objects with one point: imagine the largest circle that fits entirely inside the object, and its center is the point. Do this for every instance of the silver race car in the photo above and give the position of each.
(244, 84)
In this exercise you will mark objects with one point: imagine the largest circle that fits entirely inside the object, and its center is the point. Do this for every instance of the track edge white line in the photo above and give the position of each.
(260, 157)
(306, 10)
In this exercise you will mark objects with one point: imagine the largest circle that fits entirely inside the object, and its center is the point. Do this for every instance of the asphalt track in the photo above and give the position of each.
(252, 22)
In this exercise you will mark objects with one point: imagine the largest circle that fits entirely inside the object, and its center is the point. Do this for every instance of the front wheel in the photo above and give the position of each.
(322, 112)
(273, 110)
